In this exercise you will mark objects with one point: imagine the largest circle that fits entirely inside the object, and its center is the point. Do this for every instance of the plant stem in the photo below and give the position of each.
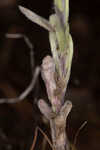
(55, 70)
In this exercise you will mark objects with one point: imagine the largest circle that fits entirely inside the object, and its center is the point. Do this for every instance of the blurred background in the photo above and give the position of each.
(18, 121)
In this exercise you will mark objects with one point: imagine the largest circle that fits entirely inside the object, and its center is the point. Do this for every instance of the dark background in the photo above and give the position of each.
(18, 121)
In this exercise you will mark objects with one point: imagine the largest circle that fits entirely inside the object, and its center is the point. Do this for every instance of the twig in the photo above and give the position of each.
(26, 91)
(78, 131)
(29, 44)
(34, 75)
(27, 41)
(35, 138)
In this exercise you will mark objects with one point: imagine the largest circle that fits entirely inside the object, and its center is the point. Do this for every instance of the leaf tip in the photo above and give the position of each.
(20, 7)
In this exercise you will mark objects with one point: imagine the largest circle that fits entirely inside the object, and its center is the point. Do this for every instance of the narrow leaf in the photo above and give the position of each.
(36, 18)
